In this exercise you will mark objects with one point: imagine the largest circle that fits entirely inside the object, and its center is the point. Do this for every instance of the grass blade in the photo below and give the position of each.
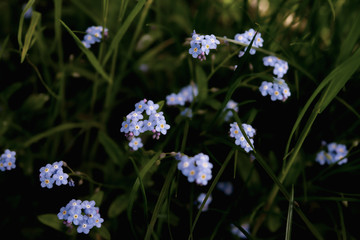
(35, 18)
(124, 27)
(162, 195)
(289, 216)
(136, 185)
(21, 23)
(212, 186)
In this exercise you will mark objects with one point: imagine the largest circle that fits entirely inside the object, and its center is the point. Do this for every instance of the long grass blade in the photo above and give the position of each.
(162, 195)
(289, 216)
(21, 23)
(35, 18)
(212, 186)
(124, 27)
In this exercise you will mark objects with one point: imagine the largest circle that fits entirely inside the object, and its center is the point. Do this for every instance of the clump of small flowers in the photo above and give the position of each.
(225, 187)
(196, 169)
(7, 160)
(240, 140)
(280, 66)
(94, 34)
(83, 214)
(144, 118)
(230, 105)
(53, 173)
(335, 153)
(277, 90)
(237, 232)
(200, 45)
(186, 94)
(246, 38)
(201, 199)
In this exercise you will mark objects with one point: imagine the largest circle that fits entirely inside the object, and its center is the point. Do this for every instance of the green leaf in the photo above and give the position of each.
(52, 221)
(111, 148)
(118, 206)
(201, 81)
(35, 18)
(273, 221)
(91, 57)
(98, 197)
(21, 23)
(3, 46)
(35, 102)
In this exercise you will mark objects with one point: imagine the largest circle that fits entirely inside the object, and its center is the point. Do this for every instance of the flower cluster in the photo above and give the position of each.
(230, 105)
(240, 140)
(278, 90)
(94, 34)
(53, 173)
(196, 168)
(144, 118)
(82, 214)
(186, 94)
(280, 66)
(201, 199)
(335, 153)
(246, 38)
(200, 45)
(237, 232)
(7, 160)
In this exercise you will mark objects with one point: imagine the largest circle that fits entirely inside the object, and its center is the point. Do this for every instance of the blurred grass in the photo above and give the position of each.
(61, 101)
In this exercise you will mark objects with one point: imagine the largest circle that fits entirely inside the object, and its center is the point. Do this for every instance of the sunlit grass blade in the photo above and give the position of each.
(35, 18)
(289, 216)
(160, 201)
(91, 57)
(21, 22)
(121, 32)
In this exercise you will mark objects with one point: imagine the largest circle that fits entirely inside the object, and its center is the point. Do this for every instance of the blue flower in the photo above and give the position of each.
(94, 34)
(225, 187)
(60, 177)
(187, 112)
(162, 127)
(136, 143)
(197, 168)
(236, 231)
(240, 140)
(7, 160)
(200, 45)
(136, 128)
(125, 126)
(82, 214)
(195, 49)
(336, 153)
(278, 90)
(200, 200)
(53, 173)
(151, 107)
(47, 182)
(230, 105)
(246, 38)
(140, 106)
